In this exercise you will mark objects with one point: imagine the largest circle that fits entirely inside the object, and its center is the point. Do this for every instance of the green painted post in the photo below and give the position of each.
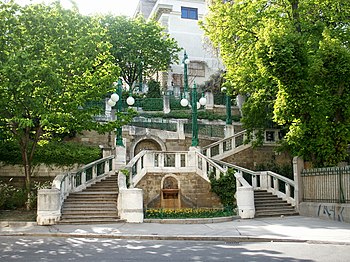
(194, 116)
(228, 110)
(119, 132)
(185, 74)
(140, 78)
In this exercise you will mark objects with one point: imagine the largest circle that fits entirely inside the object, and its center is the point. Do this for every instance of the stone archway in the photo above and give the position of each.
(170, 192)
(147, 142)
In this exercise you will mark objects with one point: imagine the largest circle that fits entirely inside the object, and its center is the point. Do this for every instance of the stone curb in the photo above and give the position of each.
(192, 220)
(229, 239)
(8, 223)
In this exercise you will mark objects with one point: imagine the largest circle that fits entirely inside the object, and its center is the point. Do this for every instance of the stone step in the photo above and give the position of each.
(100, 204)
(92, 221)
(89, 217)
(276, 213)
(90, 213)
(264, 204)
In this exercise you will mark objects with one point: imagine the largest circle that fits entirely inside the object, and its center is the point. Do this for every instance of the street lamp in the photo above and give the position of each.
(116, 98)
(185, 63)
(228, 106)
(195, 105)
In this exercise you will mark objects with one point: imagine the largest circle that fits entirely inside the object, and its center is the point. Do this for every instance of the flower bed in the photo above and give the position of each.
(164, 213)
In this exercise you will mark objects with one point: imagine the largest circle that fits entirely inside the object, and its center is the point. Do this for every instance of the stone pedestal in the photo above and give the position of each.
(245, 202)
(120, 157)
(130, 205)
(49, 207)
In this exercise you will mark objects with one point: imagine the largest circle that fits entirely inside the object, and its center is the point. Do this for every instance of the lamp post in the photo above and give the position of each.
(228, 106)
(116, 99)
(185, 62)
(195, 105)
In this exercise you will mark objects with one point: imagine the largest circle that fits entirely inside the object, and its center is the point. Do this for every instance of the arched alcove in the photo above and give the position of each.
(170, 192)
(147, 142)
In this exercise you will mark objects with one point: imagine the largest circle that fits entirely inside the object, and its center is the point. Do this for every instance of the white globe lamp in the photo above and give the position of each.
(184, 102)
(130, 100)
(115, 97)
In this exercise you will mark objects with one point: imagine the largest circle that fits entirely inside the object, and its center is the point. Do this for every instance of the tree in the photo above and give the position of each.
(292, 60)
(55, 66)
(139, 46)
(153, 89)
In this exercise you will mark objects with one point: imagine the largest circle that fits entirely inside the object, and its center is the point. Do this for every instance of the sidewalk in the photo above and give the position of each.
(281, 229)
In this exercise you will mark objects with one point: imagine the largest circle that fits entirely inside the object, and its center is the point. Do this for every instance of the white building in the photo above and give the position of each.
(180, 18)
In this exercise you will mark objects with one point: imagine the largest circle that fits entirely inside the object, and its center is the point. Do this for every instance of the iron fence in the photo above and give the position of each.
(329, 185)
(161, 124)
(207, 130)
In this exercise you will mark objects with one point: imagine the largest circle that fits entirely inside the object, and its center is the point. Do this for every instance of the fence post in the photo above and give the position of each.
(298, 166)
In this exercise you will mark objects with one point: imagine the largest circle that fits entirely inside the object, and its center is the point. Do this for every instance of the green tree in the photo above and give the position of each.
(139, 46)
(292, 60)
(55, 68)
(153, 89)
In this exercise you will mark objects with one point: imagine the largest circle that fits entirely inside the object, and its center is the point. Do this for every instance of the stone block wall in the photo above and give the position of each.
(194, 191)
(252, 157)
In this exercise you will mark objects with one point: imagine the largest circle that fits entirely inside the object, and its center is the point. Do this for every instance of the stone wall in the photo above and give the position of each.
(194, 190)
(252, 157)
(327, 211)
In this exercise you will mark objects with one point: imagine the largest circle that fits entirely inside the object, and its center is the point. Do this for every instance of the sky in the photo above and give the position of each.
(86, 7)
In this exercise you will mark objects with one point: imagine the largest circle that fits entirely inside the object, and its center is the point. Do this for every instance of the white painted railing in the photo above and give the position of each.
(226, 147)
(50, 201)
(265, 180)
(171, 162)
(78, 180)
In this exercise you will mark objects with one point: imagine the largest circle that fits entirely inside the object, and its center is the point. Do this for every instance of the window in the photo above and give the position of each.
(196, 68)
(189, 13)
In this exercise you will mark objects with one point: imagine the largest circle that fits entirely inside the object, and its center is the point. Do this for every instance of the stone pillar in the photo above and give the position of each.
(298, 166)
(49, 207)
(120, 157)
(264, 183)
(210, 100)
(245, 202)
(130, 205)
(229, 131)
(166, 104)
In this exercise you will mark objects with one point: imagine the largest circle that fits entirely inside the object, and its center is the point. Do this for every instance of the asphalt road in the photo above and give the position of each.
(100, 250)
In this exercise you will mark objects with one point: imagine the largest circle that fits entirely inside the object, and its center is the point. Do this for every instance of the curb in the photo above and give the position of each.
(9, 223)
(192, 220)
(228, 239)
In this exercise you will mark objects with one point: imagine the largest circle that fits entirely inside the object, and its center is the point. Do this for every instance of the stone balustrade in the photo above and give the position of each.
(50, 201)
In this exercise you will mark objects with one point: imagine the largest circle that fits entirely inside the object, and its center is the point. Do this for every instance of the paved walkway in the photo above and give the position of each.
(282, 229)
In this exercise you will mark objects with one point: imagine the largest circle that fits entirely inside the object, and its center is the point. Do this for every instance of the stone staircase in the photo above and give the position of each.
(268, 205)
(95, 204)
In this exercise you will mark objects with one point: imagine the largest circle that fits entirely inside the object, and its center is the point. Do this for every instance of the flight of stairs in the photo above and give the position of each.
(95, 204)
(268, 205)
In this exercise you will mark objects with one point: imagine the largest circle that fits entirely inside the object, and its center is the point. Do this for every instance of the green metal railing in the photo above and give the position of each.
(330, 185)
(207, 130)
(161, 124)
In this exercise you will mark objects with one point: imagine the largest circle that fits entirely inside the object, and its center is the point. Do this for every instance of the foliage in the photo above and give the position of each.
(283, 170)
(180, 213)
(224, 187)
(14, 198)
(292, 60)
(55, 65)
(51, 153)
(139, 46)
(153, 89)
(186, 114)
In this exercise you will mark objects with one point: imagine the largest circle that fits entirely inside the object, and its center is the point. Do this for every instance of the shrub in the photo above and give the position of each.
(180, 213)
(224, 187)
(52, 153)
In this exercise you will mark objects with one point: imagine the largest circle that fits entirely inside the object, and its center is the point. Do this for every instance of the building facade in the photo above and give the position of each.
(180, 19)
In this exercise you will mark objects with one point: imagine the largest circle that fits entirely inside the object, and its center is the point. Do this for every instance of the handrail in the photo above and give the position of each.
(224, 139)
(171, 161)
(79, 179)
(266, 180)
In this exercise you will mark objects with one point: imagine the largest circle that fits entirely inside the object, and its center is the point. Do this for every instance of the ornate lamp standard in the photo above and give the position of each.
(116, 99)
(228, 106)
(195, 105)
(185, 62)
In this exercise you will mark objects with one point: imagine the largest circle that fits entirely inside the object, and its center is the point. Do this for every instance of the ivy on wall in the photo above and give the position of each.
(224, 187)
